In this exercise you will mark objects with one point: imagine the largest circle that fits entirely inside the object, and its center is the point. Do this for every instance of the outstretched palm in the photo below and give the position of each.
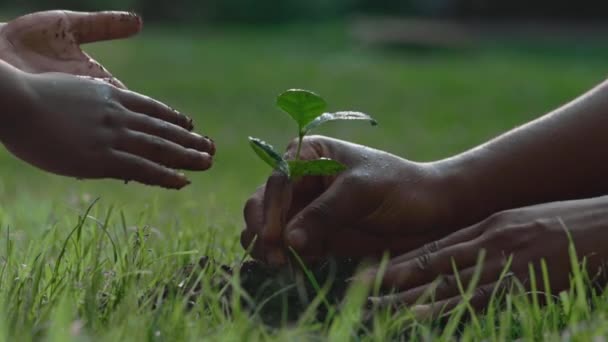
(50, 41)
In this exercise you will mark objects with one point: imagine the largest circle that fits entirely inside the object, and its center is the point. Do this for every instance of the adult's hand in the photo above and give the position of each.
(86, 128)
(525, 236)
(50, 41)
(380, 203)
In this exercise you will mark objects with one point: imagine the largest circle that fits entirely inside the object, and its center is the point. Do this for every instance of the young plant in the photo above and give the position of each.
(307, 109)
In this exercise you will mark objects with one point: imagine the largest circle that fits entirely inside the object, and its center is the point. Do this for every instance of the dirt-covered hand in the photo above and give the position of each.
(518, 238)
(87, 128)
(380, 203)
(50, 41)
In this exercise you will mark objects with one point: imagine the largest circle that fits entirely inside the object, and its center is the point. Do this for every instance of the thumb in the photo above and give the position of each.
(86, 27)
(97, 26)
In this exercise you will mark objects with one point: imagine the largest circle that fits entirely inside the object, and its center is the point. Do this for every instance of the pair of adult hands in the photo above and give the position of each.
(90, 125)
(386, 203)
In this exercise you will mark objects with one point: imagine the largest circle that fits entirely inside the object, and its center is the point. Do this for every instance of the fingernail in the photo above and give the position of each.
(205, 160)
(375, 301)
(297, 238)
(422, 312)
(190, 123)
(275, 258)
(186, 181)
(177, 186)
(366, 278)
(211, 144)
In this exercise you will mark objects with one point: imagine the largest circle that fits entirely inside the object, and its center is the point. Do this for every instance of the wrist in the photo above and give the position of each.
(458, 190)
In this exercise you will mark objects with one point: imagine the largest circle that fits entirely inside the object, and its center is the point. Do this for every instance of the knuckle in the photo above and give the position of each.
(312, 147)
(357, 182)
(314, 139)
(529, 234)
(109, 91)
(163, 126)
(111, 118)
(158, 144)
(496, 219)
(508, 282)
(430, 247)
(481, 292)
(498, 225)
(447, 282)
(316, 142)
(290, 151)
(320, 210)
(497, 233)
(293, 143)
(423, 262)
(108, 120)
(541, 226)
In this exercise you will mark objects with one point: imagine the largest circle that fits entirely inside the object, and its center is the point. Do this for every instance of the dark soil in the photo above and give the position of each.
(276, 296)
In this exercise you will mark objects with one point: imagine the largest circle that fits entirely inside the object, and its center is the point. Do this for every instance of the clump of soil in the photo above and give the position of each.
(276, 295)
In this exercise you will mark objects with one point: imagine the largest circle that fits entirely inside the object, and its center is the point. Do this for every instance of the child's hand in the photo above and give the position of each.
(50, 41)
(86, 128)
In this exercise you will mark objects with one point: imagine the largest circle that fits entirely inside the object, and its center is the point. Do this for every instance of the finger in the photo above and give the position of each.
(277, 200)
(466, 234)
(425, 268)
(146, 105)
(352, 242)
(129, 167)
(168, 131)
(307, 231)
(98, 26)
(305, 191)
(254, 223)
(163, 151)
(253, 212)
(478, 300)
(447, 286)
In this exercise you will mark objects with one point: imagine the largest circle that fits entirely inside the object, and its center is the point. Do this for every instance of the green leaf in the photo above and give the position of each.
(346, 115)
(268, 154)
(317, 167)
(304, 106)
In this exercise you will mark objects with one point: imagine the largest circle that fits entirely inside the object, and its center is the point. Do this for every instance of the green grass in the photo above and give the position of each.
(58, 264)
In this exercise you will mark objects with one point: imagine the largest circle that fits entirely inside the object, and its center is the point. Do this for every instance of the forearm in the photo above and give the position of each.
(13, 97)
(560, 156)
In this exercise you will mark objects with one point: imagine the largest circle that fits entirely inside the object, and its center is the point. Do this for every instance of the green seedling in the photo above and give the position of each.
(307, 109)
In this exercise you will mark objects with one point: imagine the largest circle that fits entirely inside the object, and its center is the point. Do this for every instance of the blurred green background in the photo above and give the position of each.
(440, 77)
(277, 11)
(215, 61)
